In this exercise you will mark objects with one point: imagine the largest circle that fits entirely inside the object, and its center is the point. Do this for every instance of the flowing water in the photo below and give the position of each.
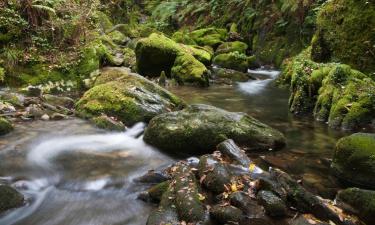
(75, 174)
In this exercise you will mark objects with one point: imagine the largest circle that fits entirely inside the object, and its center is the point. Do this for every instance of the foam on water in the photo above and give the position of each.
(253, 87)
(42, 154)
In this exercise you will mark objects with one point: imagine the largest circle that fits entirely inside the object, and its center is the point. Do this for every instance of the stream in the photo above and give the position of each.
(74, 174)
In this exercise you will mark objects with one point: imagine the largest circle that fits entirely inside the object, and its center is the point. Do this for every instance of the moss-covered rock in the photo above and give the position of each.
(5, 126)
(202, 54)
(222, 75)
(236, 46)
(199, 128)
(9, 198)
(187, 69)
(362, 202)
(105, 122)
(335, 93)
(232, 60)
(158, 53)
(226, 214)
(273, 205)
(129, 58)
(128, 97)
(345, 33)
(354, 159)
(209, 36)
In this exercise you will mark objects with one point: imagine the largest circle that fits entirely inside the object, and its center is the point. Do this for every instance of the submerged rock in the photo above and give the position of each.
(108, 123)
(126, 96)
(5, 126)
(361, 202)
(199, 128)
(222, 75)
(9, 198)
(354, 161)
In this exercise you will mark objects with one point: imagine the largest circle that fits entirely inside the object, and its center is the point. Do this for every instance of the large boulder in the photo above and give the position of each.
(199, 128)
(354, 159)
(126, 96)
(360, 202)
(9, 198)
(158, 53)
(5, 126)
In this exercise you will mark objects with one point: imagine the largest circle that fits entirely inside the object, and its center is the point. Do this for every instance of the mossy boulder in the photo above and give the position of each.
(202, 54)
(158, 53)
(5, 126)
(354, 159)
(235, 46)
(199, 128)
(232, 60)
(209, 36)
(187, 69)
(361, 202)
(222, 75)
(9, 198)
(107, 123)
(127, 97)
(345, 33)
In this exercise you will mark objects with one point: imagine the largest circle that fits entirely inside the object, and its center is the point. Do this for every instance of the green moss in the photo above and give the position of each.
(127, 97)
(183, 38)
(104, 21)
(362, 201)
(200, 53)
(354, 159)
(187, 69)
(2, 74)
(156, 192)
(5, 126)
(117, 37)
(345, 33)
(104, 122)
(233, 60)
(236, 46)
(209, 36)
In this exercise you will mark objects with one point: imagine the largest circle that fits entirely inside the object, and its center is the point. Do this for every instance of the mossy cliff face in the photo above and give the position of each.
(354, 159)
(199, 128)
(335, 93)
(158, 53)
(345, 33)
(128, 97)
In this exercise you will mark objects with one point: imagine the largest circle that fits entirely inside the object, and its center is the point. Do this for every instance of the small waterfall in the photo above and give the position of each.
(254, 87)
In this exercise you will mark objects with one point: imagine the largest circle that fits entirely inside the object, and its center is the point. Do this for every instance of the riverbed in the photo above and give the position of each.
(74, 174)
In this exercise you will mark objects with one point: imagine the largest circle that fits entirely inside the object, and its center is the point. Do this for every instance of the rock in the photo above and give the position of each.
(5, 126)
(353, 159)
(226, 214)
(230, 76)
(360, 202)
(158, 53)
(232, 151)
(6, 107)
(105, 122)
(9, 198)
(15, 99)
(129, 58)
(153, 177)
(232, 60)
(35, 111)
(183, 38)
(212, 37)
(128, 97)
(273, 205)
(45, 117)
(215, 174)
(202, 54)
(156, 192)
(34, 91)
(58, 116)
(200, 128)
(59, 101)
(186, 69)
(236, 46)
(307, 219)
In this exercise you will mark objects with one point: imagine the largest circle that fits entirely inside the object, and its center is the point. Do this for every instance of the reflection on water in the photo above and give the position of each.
(310, 143)
(73, 173)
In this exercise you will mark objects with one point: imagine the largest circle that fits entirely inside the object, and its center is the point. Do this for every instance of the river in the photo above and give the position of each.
(75, 174)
